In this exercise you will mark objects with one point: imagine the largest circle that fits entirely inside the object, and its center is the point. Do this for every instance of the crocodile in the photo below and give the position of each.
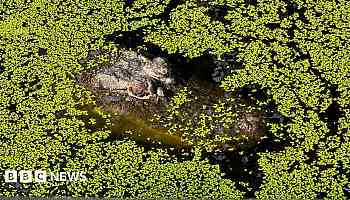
(137, 87)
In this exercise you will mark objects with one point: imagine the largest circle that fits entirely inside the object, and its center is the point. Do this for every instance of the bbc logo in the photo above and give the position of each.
(25, 176)
(39, 176)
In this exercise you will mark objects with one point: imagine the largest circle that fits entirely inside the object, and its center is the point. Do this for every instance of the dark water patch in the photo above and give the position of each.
(165, 16)
(292, 8)
(24, 24)
(334, 91)
(321, 195)
(126, 39)
(268, 42)
(248, 39)
(312, 155)
(344, 172)
(91, 11)
(302, 16)
(42, 51)
(293, 45)
(128, 3)
(291, 35)
(12, 107)
(242, 164)
(250, 94)
(333, 113)
(346, 191)
(251, 2)
(272, 26)
(294, 165)
(199, 68)
(218, 13)
(332, 116)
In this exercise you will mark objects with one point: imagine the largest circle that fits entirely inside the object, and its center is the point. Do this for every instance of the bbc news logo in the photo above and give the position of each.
(39, 176)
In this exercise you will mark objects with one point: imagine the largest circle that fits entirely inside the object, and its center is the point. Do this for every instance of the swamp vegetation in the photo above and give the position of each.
(260, 107)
